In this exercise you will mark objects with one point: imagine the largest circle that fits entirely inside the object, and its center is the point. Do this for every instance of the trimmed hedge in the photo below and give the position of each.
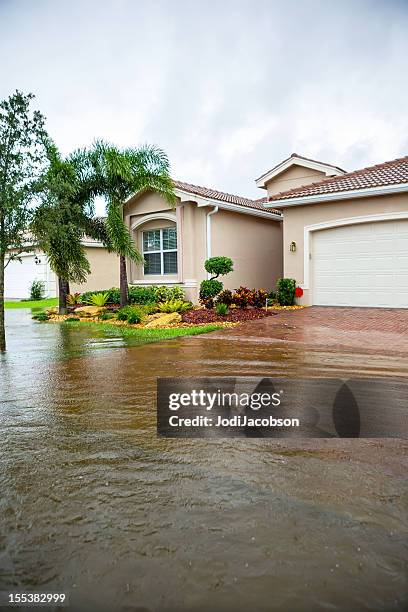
(139, 294)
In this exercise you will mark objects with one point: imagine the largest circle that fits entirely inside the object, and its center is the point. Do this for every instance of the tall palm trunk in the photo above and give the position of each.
(2, 329)
(63, 290)
(124, 291)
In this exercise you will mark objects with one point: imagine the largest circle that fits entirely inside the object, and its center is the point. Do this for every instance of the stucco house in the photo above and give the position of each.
(342, 235)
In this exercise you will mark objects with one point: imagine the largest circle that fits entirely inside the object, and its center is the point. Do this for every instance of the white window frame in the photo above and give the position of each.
(161, 251)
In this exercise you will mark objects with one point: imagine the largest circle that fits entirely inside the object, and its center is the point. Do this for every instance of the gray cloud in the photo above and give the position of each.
(228, 88)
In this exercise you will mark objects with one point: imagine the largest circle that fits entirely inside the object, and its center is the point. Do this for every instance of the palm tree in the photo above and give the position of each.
(120, 174)
(65, 214)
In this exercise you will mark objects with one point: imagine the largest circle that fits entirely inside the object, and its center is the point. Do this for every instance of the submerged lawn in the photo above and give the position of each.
(32, 303)
(147, 335)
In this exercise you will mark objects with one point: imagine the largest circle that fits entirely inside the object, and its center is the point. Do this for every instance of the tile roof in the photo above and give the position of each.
(221, 196)
(387, 173)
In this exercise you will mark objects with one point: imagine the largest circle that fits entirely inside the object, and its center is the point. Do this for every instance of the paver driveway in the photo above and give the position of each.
(371, 330)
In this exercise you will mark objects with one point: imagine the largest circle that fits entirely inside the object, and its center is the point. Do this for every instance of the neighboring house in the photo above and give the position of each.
(33, 265)
(344, 237)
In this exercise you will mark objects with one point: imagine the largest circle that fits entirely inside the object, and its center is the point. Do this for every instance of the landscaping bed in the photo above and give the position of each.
(235, 315)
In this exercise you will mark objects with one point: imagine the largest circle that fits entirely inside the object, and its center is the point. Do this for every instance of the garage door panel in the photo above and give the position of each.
(20, 274)
(361, 265)
(401, 262)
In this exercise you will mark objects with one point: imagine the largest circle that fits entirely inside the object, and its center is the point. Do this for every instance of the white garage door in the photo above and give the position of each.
(20, 275)
(361, 265)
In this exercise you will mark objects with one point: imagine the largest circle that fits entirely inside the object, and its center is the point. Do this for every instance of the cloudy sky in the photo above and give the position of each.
(228, 87)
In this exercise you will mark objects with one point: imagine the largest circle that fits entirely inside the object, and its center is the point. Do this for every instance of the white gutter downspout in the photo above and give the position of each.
(208, 228)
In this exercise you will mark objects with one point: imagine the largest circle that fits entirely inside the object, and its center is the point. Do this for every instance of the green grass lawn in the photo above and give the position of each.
(146, 334)
(32, 303)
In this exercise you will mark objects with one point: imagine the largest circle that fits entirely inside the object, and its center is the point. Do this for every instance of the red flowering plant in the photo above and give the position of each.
(241, 297)
(257, 298)
(298, 292)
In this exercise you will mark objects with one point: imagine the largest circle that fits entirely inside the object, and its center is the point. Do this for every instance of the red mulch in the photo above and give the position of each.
(235, 315)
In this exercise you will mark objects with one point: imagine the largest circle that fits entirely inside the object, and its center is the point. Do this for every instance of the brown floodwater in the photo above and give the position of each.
(93, 504)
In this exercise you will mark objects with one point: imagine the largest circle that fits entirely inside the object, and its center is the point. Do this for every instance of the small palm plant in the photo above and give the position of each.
(99, 299)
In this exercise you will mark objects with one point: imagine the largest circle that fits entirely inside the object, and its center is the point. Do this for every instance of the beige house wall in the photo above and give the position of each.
(296, 218)
(254, 243)
(255, 246)
(104, 271)
(295, 176)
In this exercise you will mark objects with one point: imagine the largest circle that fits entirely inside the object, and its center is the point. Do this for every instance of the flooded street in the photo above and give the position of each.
(93, 504)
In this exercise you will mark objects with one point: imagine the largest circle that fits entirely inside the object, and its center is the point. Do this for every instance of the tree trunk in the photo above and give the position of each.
(124, 292)
(63, 290)
(2, 328)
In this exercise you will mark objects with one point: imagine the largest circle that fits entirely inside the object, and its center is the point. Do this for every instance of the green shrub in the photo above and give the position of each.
(272, 296)
(41, 316)
(37, 290)
(70, 319)
(219, 266)
(123, 314)
(165, 294)
(73, 299)
(134, 317)
(99, 299)
(208, 290)
(142, 295)
(149, 308)
(131, 314)
(175, 306)
(221, 309)
(286, 291)
(105, 316)
(224, 297)
(138, 294)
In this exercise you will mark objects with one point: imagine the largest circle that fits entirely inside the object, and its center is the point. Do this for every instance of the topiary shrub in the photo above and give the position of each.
(218, 266)
(208, 290)
(286, 291)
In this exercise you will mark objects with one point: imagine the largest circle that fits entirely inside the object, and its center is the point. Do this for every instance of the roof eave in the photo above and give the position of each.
(338, 195)
(186, 196)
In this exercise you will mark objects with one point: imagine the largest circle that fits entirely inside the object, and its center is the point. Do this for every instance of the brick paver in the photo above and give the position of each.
(378, 330)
